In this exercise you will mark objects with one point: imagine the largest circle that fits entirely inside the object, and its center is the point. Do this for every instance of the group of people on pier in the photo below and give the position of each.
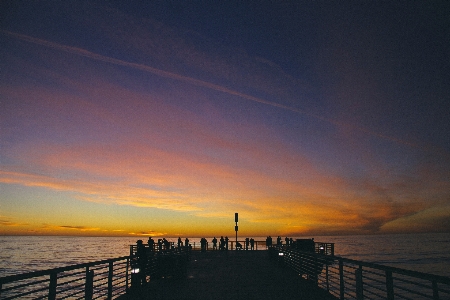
(221, 244)
(143, 254)
(288, 241)
(217, 244)
(164, 244)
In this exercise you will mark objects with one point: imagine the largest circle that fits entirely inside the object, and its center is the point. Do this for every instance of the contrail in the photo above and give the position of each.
(200, 83)
(162, 73)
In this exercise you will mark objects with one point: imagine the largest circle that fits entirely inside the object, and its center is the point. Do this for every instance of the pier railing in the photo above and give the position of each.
(352, 279)
(342, 277)
(152, 264)
(95, 280)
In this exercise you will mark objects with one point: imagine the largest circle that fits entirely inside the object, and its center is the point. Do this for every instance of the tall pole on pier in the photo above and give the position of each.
(236, 227)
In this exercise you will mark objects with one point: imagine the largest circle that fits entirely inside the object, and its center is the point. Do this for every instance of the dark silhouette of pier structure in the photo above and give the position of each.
(300, 269)
(183, 272)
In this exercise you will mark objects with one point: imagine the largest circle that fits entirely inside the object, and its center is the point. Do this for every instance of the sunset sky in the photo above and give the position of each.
(167, 117)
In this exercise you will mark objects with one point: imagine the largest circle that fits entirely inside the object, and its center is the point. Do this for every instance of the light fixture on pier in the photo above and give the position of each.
(322, 249)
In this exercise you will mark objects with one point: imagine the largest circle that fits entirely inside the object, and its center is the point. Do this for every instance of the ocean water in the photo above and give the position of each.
(427, 253)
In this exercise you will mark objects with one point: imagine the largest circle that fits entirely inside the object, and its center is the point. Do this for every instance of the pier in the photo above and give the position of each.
(302, 270)
(231, 275)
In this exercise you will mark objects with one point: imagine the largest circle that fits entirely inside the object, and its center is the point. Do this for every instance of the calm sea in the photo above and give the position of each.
(420, 252)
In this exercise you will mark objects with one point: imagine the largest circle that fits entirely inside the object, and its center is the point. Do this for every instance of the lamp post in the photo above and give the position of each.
(236, 227)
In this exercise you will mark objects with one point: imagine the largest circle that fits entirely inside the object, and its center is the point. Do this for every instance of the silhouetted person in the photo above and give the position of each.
(180, 242)
(279, 240)
(287, 241)
(268, 241)
(226, 243)
(186, 242)
(247, 242)
(238, 246)
(214, 241)
(166, 244)
(203, 243)
(141, 261)
(151, 244)
(222, 243)
(252, 244)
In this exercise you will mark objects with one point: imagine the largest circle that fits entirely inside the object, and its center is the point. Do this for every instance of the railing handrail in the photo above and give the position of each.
(428, 276)
(313, 265)
(418, 274)
(16, 277)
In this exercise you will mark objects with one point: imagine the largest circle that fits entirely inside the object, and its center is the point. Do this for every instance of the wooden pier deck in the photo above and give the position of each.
(231, 275)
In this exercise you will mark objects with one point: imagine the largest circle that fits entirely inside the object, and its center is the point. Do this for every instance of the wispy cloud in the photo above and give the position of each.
(80, 228)
(215, 87)
(103, 192)
(148, 233)
(7, 222)
(203, 189)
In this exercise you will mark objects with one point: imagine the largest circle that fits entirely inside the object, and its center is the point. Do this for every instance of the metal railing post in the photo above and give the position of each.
(110, 279)
(126, 276)
(316, 266)
(52, 286)
(435, 290)
(341, 280)
(89, 285)
(389, 285)
(359, 283)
